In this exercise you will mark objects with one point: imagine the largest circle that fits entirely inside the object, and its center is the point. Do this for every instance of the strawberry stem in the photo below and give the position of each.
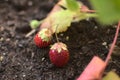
(91, 11)
(30, 33)
(91, 15)
(56, 34)
(86, 9)
(113, 44)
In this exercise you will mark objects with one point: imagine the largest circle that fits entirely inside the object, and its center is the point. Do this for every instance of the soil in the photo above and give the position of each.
(21, 59)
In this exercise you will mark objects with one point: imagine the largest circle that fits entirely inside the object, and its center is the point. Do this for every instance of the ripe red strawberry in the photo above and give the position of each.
(59, 54)
(43, 38)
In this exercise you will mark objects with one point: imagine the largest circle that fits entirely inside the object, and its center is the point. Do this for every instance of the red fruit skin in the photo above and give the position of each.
(59, 59)
(39, 42)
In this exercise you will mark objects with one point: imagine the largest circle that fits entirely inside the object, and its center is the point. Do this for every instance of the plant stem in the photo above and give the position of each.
(113, 44)
(91, 11)
(56, 34)
(91, 15)
(30, 33)
(86, 9)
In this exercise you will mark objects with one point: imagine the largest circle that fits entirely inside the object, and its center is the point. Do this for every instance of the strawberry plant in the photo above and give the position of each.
(83, 50)
(62, 17)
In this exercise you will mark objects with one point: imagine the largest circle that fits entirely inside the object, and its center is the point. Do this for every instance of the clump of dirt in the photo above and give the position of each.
(20, 59)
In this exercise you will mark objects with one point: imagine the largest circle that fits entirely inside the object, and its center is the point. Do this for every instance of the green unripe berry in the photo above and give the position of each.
(34, 24)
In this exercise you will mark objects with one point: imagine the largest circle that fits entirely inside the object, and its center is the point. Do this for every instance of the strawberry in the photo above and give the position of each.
(43, 38)
(59, 54)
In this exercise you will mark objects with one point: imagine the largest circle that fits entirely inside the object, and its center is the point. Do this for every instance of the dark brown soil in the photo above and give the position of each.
(20, 59)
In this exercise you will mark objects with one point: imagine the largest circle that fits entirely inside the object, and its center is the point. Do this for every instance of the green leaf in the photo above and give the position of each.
(72, 5)
(111, 76)
(62, 20)
(108, 10)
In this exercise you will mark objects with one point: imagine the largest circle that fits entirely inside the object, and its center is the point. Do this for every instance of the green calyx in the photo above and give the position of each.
(59, 47)
(45, 34)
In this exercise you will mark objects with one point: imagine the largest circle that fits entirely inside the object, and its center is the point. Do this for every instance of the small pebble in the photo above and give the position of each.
(80, 53)
(67, 38)
(43, 59)
(61, 34)
(32, 54)
(1, 58)
(8, 39)
(104, 43)
(115, 26)
(1, 39)
(18, 63)
(16, 76)
(30, 3)
(20, 45)
(24, 75)
(4, 54)
(87, 19)
(1, 28)
(10, 23)
(95, 27)
(21, 13)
